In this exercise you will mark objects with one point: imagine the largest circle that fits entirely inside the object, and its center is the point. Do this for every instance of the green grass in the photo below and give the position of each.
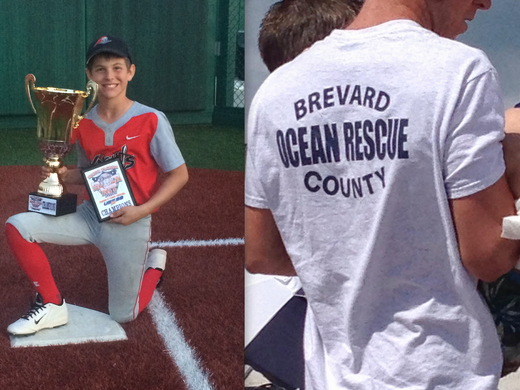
(216, 147)
(203, 146)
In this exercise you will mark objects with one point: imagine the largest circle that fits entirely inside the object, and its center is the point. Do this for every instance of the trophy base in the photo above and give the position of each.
(49, 205)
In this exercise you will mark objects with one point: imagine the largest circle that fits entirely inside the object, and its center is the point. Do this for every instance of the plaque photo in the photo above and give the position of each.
(108, 188)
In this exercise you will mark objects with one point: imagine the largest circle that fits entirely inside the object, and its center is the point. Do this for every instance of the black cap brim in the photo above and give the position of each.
(108, 44)
(111, 51)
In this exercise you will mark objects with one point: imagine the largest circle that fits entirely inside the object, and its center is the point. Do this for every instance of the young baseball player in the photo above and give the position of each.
(141, 137)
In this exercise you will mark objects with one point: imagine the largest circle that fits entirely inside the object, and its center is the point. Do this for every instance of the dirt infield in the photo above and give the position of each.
(203, 287)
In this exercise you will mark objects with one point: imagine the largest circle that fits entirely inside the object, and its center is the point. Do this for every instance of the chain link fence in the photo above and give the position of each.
(230, 53)
(238, 94)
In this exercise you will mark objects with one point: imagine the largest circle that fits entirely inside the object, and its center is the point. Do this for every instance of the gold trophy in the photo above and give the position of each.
(58, 113)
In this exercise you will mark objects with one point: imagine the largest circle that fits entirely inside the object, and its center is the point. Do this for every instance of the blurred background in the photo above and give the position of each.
(497, 32)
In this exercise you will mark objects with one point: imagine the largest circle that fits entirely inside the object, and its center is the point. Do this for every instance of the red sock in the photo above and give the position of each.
(34, 263)
(150, 279)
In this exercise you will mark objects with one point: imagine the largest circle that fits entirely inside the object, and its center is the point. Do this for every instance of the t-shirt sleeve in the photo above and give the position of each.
(254, 192)
(163, 147)
(473, 156)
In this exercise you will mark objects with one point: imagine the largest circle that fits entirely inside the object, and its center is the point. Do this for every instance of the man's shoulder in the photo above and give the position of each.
(459, 49)
(467, 61)
(442, 53)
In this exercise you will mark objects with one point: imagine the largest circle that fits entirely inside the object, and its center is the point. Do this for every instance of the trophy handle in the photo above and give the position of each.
(92, 88)
(28, 79)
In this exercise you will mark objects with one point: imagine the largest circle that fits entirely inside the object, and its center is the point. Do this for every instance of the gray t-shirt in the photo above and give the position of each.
(356, 147)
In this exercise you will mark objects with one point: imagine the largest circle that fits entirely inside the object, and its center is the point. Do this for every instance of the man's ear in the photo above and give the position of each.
(89, 75)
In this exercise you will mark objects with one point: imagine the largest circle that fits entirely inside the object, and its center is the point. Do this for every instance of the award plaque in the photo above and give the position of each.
(108, 188)
(58, 113)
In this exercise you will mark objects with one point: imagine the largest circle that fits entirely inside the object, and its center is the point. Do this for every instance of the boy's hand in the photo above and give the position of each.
(67, 175)
(127, 215)
(46, 171)
(175, 180)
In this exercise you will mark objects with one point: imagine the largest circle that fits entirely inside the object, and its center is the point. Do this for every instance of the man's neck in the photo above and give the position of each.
(375, 12)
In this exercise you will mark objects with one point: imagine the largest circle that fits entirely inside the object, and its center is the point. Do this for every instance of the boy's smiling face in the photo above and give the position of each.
(112, 75)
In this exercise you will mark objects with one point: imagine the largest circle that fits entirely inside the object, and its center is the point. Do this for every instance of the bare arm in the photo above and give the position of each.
(512, 120)
(511, 145)
(264, 249)
(478, 223)
(478, 218)
(71, 176)
(175, 180)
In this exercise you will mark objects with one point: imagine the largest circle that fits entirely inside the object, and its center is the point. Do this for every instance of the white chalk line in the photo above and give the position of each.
(198, 243)
(183, 356)
(167, 327)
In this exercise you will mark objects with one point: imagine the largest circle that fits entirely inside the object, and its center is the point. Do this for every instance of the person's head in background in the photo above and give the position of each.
(291, 26)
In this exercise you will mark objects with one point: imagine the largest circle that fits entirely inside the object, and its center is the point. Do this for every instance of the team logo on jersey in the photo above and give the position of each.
(103, 40)
(127, 160)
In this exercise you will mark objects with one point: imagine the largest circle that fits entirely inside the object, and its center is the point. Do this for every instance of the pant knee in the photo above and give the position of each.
(12, 222)
(17, 223)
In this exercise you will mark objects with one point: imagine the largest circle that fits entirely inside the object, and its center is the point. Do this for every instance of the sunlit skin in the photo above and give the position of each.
(450, 17)
(447, 18)
(112, 76)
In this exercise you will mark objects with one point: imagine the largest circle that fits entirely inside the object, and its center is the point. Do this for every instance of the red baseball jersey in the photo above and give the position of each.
(142, 139)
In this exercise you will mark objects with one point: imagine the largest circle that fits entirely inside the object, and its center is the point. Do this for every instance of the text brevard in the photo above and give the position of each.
(369, 140)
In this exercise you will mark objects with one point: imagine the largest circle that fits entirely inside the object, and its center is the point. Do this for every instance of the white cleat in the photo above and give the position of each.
(40, 316)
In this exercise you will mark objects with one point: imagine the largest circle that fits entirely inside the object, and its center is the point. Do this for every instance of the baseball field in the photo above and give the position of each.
(191, 335)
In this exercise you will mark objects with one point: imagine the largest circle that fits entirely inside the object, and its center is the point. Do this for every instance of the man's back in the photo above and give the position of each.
(356, 147)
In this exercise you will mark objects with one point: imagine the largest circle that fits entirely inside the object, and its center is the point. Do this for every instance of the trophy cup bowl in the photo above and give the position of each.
(58, 113)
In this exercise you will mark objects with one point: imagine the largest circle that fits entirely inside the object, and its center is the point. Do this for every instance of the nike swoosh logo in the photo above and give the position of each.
(37, 321)
(127, 137)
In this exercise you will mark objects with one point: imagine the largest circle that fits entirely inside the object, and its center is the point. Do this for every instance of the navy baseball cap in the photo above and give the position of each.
(108, 44)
